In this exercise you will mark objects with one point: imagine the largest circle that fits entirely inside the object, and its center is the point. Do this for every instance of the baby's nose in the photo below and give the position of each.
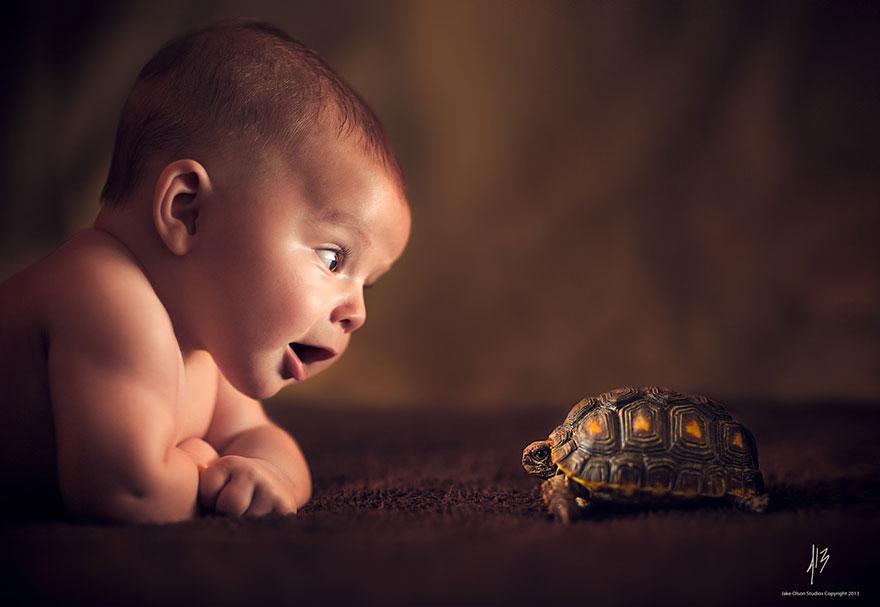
(350, 314)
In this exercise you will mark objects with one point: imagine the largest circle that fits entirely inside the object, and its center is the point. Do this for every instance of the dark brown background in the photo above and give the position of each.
(682, 193)
(604, 193)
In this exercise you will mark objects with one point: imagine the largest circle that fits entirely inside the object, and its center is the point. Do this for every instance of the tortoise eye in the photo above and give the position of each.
(541, 453)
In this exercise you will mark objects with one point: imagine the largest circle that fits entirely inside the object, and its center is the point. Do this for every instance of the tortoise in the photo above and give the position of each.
(646, 446)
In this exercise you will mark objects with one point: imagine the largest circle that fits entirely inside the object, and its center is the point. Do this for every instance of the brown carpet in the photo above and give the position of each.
(431, 507)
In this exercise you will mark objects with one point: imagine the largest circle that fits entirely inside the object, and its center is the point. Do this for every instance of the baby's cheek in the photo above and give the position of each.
(293, 289)
(308, 299)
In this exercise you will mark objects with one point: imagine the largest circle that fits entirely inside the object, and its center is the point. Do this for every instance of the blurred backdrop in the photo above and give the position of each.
(604, 193)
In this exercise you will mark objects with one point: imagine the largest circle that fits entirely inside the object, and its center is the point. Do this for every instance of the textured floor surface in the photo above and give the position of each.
(432, 507)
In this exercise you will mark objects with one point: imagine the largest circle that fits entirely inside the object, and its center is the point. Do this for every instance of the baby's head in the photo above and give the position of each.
(261, 196)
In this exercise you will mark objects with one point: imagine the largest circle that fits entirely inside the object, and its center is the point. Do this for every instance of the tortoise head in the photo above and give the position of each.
(537, 461)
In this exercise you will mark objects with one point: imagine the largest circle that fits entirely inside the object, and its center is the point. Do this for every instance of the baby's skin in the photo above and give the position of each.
(133, 358)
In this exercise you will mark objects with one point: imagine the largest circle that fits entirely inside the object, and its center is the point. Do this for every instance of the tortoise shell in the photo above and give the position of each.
(629, 444)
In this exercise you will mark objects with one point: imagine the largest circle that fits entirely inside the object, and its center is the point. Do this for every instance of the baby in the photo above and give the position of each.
(252, 197)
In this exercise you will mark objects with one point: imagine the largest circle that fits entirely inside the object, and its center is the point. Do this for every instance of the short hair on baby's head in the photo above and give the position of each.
(242, 83)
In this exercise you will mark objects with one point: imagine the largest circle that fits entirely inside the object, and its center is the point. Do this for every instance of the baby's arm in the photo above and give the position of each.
(115, 379)
(261, 470)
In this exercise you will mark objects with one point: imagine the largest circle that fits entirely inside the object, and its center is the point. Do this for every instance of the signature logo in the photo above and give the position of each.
(817, 558)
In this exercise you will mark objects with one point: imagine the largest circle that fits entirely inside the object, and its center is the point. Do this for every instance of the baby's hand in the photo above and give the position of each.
(245, 486)
(203, 453)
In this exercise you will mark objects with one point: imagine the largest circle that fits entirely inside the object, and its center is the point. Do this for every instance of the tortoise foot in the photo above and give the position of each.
(560, 499)
(753, 503)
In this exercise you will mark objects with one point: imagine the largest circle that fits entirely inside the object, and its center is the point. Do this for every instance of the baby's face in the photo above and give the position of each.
(284, 259)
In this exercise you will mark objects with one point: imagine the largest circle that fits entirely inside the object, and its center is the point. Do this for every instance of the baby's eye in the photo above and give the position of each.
(331, 258)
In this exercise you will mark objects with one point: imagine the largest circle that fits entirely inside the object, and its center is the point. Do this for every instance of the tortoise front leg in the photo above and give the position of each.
(560, 499)
(756, 503)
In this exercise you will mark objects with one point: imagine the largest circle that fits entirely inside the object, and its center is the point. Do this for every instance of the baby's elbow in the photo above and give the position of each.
(93, 497)
(132, 494)
(122, 508)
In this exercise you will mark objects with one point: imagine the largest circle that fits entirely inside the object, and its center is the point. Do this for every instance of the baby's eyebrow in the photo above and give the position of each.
(346, 220)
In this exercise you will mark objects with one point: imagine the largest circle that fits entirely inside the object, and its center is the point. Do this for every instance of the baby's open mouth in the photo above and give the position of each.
(310, 354)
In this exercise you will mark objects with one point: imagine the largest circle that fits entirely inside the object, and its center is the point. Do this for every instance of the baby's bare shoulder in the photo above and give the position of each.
(94, 276)
(91, 278)
(94, 256)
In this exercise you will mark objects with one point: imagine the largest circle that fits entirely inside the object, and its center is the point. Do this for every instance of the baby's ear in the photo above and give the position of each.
(180, 193)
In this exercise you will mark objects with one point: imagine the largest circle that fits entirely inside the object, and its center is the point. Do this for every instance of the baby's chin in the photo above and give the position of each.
(262, 377)
(259, 386)
(255, 378)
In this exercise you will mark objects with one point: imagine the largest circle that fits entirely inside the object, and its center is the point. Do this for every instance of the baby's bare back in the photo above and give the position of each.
(37, 320)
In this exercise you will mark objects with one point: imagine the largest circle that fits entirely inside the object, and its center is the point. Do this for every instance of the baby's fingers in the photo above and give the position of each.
(262, 502)
(235, 497)
(211, 481)
(265, 501)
